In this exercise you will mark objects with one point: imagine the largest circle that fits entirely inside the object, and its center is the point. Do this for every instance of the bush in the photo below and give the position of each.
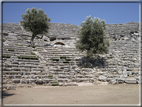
(55, 59)
(33, 53)
(10, 49)
(28, 57)
(18, 45)
(55, 83)
(6, 56)
(3, 40)
(62, 57)
(50, 76)
(34, 50)
(65, 61)
(68, 59)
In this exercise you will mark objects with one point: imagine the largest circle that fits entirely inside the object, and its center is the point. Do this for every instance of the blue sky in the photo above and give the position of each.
(75, 13)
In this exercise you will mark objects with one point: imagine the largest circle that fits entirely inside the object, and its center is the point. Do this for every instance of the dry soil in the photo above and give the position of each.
(83, 94)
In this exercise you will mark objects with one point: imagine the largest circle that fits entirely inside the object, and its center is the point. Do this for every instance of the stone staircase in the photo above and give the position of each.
(61, 64)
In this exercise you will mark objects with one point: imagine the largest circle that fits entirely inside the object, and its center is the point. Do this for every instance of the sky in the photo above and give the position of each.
(75, 13)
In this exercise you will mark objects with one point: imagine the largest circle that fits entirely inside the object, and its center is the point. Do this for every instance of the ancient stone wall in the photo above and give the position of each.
(120, 65)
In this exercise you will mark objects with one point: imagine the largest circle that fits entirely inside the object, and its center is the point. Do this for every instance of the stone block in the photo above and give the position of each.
(113, 81)
(16, 80)
(130, 81)
(39, 81)
(11, 87)
(63, 80)
(82, 80)
(61, 76)
(61, 84)
(102, 78)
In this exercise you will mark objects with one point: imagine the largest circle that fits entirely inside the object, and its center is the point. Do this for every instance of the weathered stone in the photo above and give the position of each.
(102, 78)
(131, 81)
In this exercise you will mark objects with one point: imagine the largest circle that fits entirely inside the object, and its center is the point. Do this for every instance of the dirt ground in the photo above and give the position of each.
(83, 94)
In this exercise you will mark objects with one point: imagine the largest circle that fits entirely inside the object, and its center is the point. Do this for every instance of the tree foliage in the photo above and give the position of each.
(35, 21)
(92, 37)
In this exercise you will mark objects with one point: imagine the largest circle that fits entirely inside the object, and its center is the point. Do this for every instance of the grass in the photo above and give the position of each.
(62, 57)
(68, 59)
(65, 61)
(55, 83)
(50, 76)
(10, 49)
(43, 63)
(28, 57)
(55, 59)
(3, 40)
(6, 56)
(33, 53)
(18, 45)
(34, 50)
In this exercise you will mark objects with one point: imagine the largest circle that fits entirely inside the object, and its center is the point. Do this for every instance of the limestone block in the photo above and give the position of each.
(11, 87)
(130, 81)
(39, 81)
(61, 76)
(82, 80)
(91, 80)
(102, 78)
(89, 76)
(71, 84)
(16, 80)
(47, 80)
(113, 81)
(79, 76)
(61, 83)
(63, 80)
(17, 76)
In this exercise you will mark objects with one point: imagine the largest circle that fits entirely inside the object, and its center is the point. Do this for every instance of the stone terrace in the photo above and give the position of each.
(61, 64)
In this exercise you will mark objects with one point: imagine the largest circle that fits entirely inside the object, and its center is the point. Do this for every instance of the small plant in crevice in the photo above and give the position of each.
(3, 40)
(28, 57)
(34, 50)
(33, 53)
(62, 57)
(6, 56)
(50, 76)
(65, 61)
(68, 59)
(18, 45)
(55, 59)
(55, 83)
(10, 49)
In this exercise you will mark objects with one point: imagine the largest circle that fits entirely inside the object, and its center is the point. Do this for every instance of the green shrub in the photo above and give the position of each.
(6, 56)
(18, 45)
(34, 50)
(55, 83)
(62, 57)
(10, 49)
(55, 59)
(43, 63)
(68, 59)
(28, 57)
(33, 53)
(3, 40)
(50, 76)
(65, 61)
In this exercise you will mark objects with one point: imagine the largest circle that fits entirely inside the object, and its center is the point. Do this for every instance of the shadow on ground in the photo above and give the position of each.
(5, 94)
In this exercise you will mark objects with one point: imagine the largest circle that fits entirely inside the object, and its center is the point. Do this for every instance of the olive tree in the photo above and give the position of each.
(92, 38)
(35, 21)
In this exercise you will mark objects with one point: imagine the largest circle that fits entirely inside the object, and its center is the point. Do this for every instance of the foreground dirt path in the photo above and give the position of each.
(97, 94)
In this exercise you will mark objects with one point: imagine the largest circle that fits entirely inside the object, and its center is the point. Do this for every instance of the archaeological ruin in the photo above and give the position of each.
(55, 60)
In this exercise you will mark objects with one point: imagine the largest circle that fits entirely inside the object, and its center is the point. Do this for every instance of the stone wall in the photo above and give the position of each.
(120, 65)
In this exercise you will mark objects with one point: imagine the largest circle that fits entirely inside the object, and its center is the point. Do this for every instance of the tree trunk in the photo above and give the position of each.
(87, 62)
(32, 41)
